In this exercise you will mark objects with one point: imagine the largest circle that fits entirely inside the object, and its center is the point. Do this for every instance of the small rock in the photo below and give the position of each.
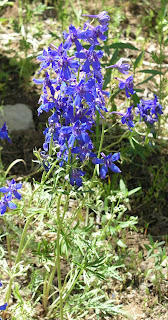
(18, 117)
(142, 287)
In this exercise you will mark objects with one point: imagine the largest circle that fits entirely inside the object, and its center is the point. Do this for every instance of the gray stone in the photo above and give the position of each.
(18, 117)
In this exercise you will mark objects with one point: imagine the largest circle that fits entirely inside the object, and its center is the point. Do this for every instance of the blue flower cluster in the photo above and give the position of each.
(11, 193)
(73, 92)
(4, 306)
(4, 133)
(149, 110)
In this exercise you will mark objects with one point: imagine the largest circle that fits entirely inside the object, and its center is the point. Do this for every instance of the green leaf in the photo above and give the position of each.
(121, 244)
(151, 71)
(139, 60)
(147, 247)
(151, 240)
(131, 143)
(147, 79)
(123, 186)
(136, 141)
(114, 57)
(135, 98)
(134, 191)
(107, 78)
(121, 45)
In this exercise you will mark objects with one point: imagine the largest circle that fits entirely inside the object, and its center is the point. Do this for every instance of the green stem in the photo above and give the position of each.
(100, 148)
(45, 297)
(8, 243)
(22, 240)
(118, 141)
(56, 303)
(59, 221)
(47, 288)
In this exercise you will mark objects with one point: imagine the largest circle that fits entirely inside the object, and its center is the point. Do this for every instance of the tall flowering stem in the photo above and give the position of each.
(59, 221)
(73, 95)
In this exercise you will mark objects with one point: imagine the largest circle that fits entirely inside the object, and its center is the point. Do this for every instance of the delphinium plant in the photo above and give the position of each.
(73, 94)
(74, 97)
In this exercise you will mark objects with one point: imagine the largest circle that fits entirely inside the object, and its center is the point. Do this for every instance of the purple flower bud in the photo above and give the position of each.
(122, 67)
(102, 17)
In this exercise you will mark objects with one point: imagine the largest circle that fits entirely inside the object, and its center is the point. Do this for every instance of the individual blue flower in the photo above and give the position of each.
(91, 59)
(127, 85)
(82, 90)
(107, 162)
(47, 83)
(84, 151)
(72, 37)
(47, 58)
(6, 202)
(4, 133)
(127, 117)
(122, 67)
(95, 33)
(75, 177)
(102, 17)
(12, 189)
(2, 308)
(77, 132)
(156, 108)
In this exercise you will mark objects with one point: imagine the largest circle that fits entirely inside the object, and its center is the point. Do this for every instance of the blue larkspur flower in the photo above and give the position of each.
(127, 85)
(6, 202)
(84, 151)
(91, 58)
(107, 162)
(72, 37)
(95, 33)
(4, 133)
(48, 57)
(77, 132)
(12, 189)
(127, 117)
(82, 90)
(75, 177)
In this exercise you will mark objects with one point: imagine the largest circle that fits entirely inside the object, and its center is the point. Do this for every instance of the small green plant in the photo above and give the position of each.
(158, 254)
